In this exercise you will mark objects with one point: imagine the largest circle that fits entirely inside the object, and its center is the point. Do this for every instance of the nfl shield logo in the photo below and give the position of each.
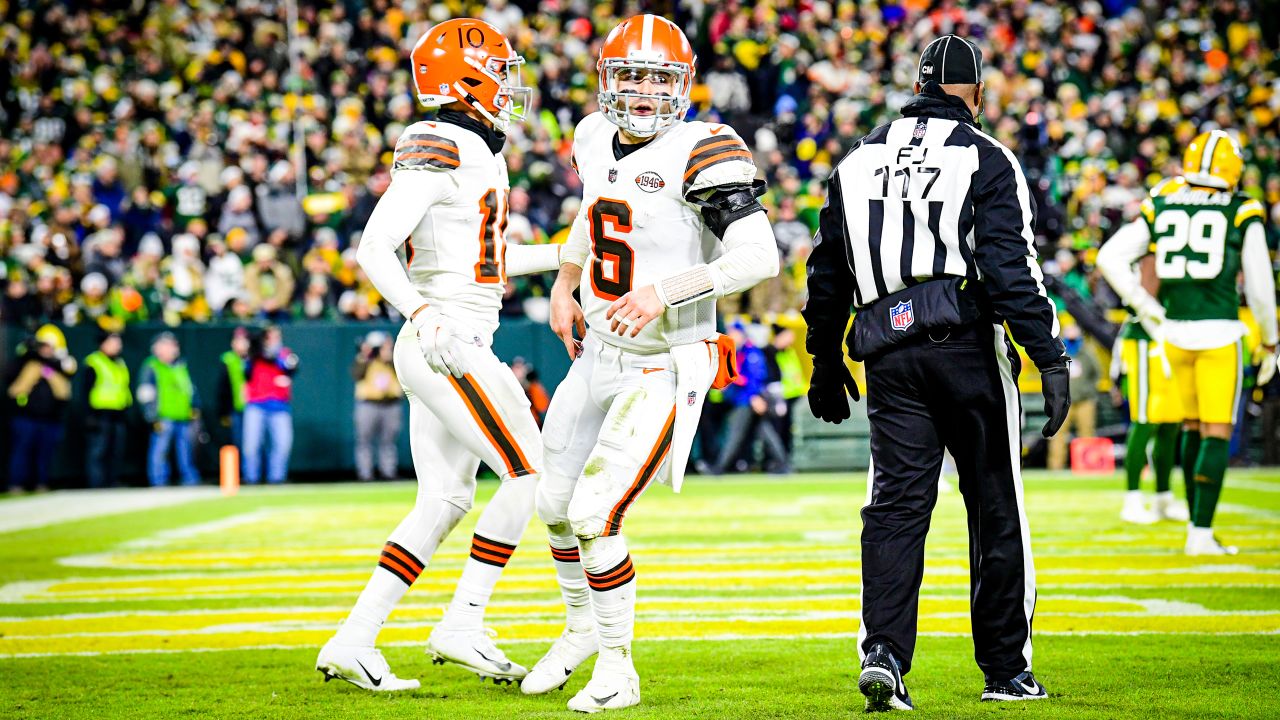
(900, 315)
(613, 174)
(693, 396)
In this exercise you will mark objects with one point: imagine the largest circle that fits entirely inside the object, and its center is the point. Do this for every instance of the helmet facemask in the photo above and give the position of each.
(511, 101)
(644, 114)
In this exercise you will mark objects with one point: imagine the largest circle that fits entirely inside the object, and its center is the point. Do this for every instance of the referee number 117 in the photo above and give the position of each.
(905, 173)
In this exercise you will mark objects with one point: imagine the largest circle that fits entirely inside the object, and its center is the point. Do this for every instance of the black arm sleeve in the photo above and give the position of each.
(1004, 249)
(726, 204)
(831, 281)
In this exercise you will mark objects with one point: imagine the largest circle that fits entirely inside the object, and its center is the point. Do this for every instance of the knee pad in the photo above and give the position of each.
(552, 506)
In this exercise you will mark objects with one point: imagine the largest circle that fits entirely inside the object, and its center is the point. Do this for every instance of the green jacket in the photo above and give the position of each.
(166, 391)
(110, 389)
(235, 378)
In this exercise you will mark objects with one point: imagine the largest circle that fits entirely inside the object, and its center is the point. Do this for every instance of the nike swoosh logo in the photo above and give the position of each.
(376, 681)
(717, 130)
(646, 371)
(1033, 688)
(603, 700)
(567, 672)
(501, 666)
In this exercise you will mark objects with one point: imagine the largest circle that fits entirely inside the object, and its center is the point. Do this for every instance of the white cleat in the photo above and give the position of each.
(362, 666)
(607, 691)
(1201, 542)
(1136, 511)
(573, 648)
(475, 651)
(1168, 507)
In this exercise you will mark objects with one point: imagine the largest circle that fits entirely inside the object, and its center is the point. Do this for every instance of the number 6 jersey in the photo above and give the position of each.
(642, 229)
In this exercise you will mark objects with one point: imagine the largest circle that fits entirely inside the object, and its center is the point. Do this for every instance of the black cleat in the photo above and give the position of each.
(881, 681)
(440, 661)
(1020, 687)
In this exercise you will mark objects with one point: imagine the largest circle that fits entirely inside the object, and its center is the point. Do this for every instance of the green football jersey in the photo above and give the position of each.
(1196, 235)
(1133, 330)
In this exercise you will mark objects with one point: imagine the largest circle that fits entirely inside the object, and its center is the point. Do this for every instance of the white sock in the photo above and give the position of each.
(572, 579)
(1133, 497)
(1199, 534)
(497, 533)
(613, 593)
(403, 559)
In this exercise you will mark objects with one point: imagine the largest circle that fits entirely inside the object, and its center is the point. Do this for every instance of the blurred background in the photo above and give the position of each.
(196, 167)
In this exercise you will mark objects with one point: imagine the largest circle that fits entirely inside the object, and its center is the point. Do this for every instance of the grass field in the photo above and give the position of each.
(215, 607)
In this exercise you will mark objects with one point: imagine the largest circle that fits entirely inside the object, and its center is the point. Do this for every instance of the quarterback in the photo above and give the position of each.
(669, 222)
(1203, 234)
(448, 197)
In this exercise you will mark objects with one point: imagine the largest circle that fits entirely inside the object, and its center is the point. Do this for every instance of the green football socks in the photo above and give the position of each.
(1135, 453)
(1211, 467)
(1190, 452)
(1163, 453)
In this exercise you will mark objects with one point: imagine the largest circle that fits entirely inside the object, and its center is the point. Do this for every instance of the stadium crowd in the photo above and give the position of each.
(148, 151)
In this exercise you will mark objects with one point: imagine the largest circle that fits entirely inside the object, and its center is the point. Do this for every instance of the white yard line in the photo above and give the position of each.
(67, 505)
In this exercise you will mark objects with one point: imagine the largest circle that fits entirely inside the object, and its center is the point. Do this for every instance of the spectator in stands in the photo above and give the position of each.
(182, 277)
(748, 418)
(527, 376)
(1082, 419)
(378, 407)
(269, 283)
(231, 386)
(268, 416)
(107, 397)
(278, 204)
(237, 212)
(787, 382)
(38, 384)
(170, 402)
(224, 276)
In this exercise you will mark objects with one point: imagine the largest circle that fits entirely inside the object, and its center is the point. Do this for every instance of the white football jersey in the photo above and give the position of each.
(455, 254)
(642, 229)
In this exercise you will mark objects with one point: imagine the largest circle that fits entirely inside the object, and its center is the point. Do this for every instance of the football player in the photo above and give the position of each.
(670, 221)
(1155, 412)
(448, 197)
(1203, 234)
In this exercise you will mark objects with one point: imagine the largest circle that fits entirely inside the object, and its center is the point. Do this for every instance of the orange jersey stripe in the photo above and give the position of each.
(431, 155)
(427, 143)
(719, 144)
(646, 471)
(720, 156)
(394, 563)
(484, 427)
(490, 547)
(494, 427)
(403, 558)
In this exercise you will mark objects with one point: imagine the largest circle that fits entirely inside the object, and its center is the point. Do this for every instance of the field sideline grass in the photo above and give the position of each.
(759, 573)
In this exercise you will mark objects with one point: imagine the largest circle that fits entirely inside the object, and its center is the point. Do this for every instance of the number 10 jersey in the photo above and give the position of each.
(642, 228)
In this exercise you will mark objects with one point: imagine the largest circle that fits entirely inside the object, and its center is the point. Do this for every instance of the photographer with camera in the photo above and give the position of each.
(378, 410)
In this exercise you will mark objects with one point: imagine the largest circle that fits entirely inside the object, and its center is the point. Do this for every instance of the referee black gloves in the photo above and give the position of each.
(827, 390)
(1055, 383)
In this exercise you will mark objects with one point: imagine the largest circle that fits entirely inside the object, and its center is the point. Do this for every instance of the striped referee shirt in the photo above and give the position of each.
(925, 197)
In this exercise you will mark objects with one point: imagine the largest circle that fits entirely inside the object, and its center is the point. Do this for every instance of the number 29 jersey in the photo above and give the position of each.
(1197, 235)
(643, 228)
(455, 254)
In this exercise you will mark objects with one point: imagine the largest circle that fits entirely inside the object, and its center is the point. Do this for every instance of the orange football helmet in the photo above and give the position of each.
(470, 61)
(645, 49)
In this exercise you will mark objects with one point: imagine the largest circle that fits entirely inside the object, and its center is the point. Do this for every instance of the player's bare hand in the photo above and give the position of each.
(566, 316)
(634, 310)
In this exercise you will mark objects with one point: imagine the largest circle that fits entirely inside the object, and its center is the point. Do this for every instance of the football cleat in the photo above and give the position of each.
(570, 650)
(1200, 541)
(363, 667)
(1136, 511)
(881, 681)
(1169, 507)
(1021, 687)
(475, 651)
(608, 690)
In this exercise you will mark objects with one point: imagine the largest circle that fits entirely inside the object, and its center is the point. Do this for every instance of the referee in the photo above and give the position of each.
(927, 234)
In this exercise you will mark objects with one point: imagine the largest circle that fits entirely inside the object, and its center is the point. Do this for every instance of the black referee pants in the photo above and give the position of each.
(955, 388)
